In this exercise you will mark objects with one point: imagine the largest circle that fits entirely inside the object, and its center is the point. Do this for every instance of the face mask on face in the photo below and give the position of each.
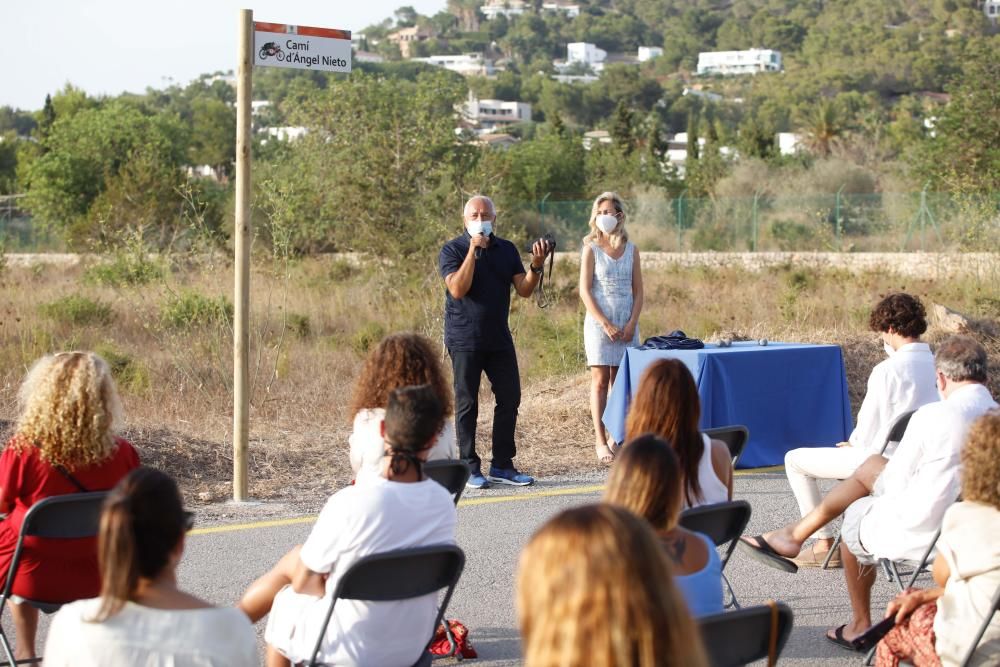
(484, 227)
(888, 349)
(606, 223)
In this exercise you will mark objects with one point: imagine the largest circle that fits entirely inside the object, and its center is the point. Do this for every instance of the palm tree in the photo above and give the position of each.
(823, 127)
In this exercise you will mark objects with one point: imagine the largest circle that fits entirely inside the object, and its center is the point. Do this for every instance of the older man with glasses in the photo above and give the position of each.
(479, 268)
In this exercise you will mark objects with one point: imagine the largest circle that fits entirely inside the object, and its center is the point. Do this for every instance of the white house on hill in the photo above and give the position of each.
(467, 64)
(586, 53)
(491, 115)
(750, 61)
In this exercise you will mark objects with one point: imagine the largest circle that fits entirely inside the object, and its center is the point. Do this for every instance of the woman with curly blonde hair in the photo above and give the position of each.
(399, 360)
(63, 443)
(580, 602)
(936, 626)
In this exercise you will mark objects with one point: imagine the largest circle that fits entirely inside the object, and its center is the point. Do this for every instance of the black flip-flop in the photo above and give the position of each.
(758, 548)
(838, 639)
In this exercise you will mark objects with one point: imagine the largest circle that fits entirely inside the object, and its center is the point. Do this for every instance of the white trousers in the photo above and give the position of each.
(805, 465)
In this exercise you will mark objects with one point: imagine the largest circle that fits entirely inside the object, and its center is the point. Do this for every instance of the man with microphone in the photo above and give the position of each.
(478, 270)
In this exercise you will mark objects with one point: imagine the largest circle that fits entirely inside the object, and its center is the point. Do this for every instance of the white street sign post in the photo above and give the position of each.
(269, 45)
(302, 47)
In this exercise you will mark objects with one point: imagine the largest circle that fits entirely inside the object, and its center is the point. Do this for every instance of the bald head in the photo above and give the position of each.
(479, 207)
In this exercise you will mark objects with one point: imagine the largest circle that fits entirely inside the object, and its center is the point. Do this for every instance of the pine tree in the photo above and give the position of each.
(621, 127)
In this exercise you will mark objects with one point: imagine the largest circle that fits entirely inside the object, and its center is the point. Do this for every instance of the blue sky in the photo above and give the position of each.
(112, 46)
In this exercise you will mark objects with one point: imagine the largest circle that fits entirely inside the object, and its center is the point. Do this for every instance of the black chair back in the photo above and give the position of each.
(896, 431)
(68, 517)
(398, 575)
(735, 438)
(450, 474)
(743, 636)
(723, 523)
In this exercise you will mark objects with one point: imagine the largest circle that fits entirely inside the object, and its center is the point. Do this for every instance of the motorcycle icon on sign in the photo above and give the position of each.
(271, 50)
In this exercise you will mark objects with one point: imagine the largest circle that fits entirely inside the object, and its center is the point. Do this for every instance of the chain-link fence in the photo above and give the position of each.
(883, 222)
(17, 231)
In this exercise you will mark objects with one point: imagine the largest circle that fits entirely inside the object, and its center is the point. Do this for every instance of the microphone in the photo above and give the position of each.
(479, 251)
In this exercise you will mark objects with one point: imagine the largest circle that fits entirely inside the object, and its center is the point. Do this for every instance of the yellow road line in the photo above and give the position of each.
(468, 502)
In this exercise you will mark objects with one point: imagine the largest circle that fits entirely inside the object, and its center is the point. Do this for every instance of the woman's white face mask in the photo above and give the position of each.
(606, 223)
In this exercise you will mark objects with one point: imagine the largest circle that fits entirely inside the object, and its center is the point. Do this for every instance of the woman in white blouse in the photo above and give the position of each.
(399, 360)
(901, 383)
(141, 617)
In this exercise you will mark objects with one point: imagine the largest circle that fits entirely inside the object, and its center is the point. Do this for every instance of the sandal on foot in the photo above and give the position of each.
(758, 548)
(808, 557)
(604, 454)
(839, 640)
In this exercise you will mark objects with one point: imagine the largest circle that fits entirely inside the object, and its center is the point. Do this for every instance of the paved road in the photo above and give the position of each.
(221, 561)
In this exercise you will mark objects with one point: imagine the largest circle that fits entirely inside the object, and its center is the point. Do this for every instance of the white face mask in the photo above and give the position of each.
(484, 227)
(888, 349)
(606, 223)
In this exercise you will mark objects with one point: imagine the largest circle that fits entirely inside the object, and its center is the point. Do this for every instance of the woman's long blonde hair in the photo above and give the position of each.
(69, 409)
(646, 479)
(616, 238)
(594, 588)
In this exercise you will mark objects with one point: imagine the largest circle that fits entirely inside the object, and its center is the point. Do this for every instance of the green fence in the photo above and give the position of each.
(840, 222)
(883, 222)
(18, 233)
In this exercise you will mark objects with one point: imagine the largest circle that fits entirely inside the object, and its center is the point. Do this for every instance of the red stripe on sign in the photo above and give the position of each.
(308, 31)
(331, 33)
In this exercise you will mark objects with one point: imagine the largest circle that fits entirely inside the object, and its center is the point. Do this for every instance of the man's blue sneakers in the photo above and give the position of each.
(477, 481)
(509, 476)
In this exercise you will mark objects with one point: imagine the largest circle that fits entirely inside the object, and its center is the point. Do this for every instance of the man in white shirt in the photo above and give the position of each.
(397, 510)
(901, 383)
(894, 506)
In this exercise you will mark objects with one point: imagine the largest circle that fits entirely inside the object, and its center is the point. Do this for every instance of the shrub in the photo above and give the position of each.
(124, 269)
(130, 374)
(299, 325)
(790, 235)
(77, 310)
(369, 334)
(188, 309)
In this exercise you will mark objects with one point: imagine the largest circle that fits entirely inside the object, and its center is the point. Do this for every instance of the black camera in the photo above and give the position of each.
(550, 244)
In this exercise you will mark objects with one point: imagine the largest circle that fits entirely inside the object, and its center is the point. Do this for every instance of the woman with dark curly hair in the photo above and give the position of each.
(901, 383)
(399, 360)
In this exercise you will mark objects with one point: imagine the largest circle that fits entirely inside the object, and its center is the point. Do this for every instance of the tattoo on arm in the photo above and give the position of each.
(675, 547)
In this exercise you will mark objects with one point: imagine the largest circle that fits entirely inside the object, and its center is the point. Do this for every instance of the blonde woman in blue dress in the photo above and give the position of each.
(611, 290)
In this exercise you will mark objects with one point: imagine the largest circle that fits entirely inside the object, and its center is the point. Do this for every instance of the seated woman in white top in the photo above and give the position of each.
(399, 360)
(904, 381)
(667, 405)
(400, 509)
(645, 479)
(141, 617)
(937, 625)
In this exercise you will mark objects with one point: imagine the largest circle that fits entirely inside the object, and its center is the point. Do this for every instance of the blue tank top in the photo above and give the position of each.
(702, 590)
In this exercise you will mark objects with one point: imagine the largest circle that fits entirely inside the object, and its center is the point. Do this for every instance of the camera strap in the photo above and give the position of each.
(541, 298)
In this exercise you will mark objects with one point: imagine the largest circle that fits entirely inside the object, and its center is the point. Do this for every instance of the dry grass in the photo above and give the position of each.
(313, 319)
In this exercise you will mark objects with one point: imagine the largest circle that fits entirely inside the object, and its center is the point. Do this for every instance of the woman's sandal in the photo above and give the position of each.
(604, 454)
(809, 557)
(839, 639)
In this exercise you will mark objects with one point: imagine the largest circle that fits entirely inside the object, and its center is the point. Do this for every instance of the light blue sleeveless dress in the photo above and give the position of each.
(612, 291)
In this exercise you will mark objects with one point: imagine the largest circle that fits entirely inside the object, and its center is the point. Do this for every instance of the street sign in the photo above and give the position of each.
(301, 47)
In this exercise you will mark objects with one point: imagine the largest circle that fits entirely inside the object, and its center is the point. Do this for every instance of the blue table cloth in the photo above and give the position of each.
(787, 394)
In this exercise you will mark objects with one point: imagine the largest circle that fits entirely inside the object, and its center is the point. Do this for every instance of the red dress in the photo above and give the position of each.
(53, 570)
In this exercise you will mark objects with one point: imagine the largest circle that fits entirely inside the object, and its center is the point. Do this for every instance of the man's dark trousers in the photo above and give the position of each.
(500, 367)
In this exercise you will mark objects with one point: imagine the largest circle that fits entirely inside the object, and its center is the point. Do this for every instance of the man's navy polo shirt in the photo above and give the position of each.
(478, 321)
